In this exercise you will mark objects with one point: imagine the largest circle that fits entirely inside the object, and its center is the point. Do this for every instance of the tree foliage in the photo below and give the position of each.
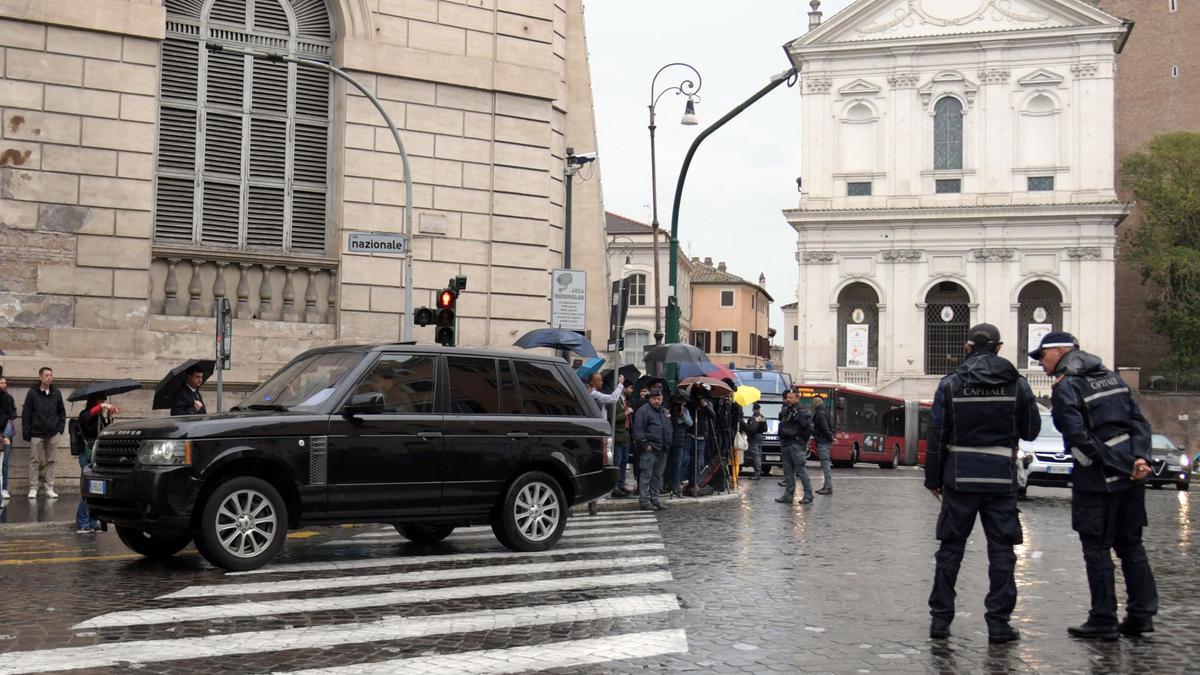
(1165, 250)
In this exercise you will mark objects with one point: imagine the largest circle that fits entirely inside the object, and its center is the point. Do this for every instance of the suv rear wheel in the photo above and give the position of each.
(159, 544)
(424, 533)
(243, 524)
(532, 515)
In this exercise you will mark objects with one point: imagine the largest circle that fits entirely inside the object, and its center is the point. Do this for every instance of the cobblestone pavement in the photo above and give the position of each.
(745, 585)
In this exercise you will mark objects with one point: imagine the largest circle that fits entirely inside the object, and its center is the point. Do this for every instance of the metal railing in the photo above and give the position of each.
(864, 377)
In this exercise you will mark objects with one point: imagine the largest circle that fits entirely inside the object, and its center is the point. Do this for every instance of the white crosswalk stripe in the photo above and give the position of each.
(606, 571)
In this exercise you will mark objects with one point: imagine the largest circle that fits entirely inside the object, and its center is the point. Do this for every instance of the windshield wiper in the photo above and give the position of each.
(266, 406)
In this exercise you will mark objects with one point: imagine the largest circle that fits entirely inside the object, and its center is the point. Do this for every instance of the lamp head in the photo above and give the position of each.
(689, 114)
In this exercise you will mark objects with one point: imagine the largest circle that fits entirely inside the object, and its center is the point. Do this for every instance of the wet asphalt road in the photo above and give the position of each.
(745, 585)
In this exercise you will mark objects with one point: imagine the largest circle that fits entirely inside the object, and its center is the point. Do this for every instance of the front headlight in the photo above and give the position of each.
(1183, 461)
(165, 453)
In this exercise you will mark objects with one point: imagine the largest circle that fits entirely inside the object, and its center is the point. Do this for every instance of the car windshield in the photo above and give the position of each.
(770, 410)
(1048, 429)
(304, 383)
(1160, 442)
(766, 381)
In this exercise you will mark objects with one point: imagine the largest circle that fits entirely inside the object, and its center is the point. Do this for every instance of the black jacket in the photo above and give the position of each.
(652, 426)
(43, 415)
(980, 411)
(822, 426)
(8, 410)
(184, 402)
(795, 423)
(1101, 424)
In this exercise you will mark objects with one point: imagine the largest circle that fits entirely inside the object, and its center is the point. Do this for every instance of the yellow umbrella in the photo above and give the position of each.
(745, 395)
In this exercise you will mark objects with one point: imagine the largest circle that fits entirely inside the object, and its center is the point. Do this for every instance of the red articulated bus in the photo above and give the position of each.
(870, 427)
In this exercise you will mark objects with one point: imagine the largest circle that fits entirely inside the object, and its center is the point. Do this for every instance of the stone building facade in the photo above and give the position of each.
(958, 167)
(143, 176)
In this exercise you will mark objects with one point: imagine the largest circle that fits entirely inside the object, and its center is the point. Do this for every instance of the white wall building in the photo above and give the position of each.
(957, 167)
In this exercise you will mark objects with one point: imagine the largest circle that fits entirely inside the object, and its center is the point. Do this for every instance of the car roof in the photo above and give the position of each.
(434, 349)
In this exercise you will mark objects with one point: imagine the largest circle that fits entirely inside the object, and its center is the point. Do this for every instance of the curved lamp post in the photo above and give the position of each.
(688, 88)
(788, 76)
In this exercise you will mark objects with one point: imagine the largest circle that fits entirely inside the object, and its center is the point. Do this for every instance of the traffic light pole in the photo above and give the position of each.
(407, 314)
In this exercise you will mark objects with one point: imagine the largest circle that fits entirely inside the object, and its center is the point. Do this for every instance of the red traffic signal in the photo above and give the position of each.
(446, 299)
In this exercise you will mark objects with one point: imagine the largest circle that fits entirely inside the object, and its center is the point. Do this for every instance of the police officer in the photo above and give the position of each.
(1105, 432)
(652, 436)
(979, 411)
(795, 426)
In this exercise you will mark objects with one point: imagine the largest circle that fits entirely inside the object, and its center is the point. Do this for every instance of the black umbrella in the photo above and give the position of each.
(166, 388)
(557, 338)
(631, 374)
(660, 356)
(106, 388)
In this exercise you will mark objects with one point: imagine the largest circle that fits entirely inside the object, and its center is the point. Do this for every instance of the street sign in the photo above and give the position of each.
(617, 311)
(568, 299)
(377, 242)
(224, 333)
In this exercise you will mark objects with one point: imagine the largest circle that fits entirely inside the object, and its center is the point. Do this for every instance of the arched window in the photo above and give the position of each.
(243, 144)
(947, 318)
(635, 348)
(947, 134)
(858, 307)
(637, 289)
(1039, 307)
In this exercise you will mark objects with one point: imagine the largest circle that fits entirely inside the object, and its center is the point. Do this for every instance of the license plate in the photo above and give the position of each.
(771, 458)
(97, 487)
(1059, 469)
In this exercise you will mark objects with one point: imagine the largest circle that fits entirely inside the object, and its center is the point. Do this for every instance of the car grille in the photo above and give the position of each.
(115, 453)
(1052, 457)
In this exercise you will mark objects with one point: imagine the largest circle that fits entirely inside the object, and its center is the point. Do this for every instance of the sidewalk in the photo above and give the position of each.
(20, 513)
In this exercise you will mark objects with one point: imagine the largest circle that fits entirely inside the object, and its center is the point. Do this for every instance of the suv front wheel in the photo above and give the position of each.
(243, 524)
(532, 514)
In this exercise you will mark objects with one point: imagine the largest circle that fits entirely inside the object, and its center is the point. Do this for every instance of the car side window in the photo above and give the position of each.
(405, 380)
(474, 386)
(543, 392)
(510, 401)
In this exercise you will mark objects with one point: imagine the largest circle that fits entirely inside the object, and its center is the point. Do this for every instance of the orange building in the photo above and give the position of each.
(730, 316)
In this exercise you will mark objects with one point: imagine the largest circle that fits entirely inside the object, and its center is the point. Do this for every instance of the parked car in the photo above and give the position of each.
(1170, 464)
(426, 438)
(770, 441)
(1046, 462)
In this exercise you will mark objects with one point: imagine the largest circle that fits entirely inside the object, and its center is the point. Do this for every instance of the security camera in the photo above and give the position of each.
(586, 157)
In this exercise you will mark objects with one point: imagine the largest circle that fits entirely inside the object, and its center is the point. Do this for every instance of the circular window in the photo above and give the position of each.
(947, 314)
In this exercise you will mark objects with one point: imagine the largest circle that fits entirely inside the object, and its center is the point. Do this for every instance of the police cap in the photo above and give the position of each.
(983, 335)
(1058, 338)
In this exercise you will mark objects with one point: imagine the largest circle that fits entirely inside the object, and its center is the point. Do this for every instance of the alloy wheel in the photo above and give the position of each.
(246, 523)
(536, 510)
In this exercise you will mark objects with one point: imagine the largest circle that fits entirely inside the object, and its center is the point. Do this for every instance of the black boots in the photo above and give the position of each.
(939, 630)
(1088, 631)
(1134, 627)
(998, 635)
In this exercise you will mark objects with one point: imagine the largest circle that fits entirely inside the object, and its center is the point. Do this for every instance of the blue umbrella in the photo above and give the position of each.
(590, 367)
(557, 338)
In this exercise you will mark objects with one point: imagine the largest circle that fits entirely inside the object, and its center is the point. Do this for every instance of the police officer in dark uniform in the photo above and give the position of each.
(979, 411)
(1105, 432)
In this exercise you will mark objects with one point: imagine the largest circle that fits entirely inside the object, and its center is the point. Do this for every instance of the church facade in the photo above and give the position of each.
(957, 167)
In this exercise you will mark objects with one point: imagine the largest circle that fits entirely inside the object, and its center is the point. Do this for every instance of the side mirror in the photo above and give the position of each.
(370, 403)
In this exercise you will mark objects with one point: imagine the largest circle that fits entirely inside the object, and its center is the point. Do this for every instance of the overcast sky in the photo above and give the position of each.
(745, 173)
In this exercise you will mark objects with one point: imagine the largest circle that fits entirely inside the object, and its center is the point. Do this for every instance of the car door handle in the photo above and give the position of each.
(426, 435)
(518, 434)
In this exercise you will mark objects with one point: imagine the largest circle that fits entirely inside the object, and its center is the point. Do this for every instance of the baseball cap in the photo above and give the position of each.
(982, 334)
(1058, 338)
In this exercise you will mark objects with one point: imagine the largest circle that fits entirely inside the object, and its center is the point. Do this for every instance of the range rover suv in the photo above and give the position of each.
(426, 438)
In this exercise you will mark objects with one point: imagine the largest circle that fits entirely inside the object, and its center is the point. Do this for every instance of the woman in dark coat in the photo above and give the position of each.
(97, 413)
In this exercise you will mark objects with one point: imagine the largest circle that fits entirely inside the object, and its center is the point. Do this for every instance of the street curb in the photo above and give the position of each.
(631, 503)
(35, 527)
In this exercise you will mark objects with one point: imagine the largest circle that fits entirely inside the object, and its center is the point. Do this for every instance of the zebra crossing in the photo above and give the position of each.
(602, 587)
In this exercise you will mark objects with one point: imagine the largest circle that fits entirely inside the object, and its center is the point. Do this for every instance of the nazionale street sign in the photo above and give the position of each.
(377, 242)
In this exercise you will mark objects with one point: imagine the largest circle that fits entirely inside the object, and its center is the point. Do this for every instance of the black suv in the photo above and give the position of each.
(427, 438)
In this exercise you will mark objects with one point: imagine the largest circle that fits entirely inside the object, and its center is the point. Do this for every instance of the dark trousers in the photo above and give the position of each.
(1113, 522)
(1002, 527)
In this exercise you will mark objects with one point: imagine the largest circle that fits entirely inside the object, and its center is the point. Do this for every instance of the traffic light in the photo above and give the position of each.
(444, 335)
(423, 316)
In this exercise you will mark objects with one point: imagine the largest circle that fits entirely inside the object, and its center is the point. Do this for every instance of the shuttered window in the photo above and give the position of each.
(243, 145)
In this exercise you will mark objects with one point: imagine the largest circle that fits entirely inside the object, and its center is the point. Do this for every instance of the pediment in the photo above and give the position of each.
(1040, 78)
(859, 88)
(871, 20)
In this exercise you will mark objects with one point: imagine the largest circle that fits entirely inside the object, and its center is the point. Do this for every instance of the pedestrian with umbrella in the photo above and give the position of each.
(180, 389)
(97, 413)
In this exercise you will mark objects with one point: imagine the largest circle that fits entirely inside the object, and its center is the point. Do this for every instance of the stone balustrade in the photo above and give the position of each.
(186, 282)
(864, 377)
(1039, 382)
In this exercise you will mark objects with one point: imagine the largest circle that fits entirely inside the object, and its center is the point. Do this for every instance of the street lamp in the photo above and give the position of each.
(688, 88)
